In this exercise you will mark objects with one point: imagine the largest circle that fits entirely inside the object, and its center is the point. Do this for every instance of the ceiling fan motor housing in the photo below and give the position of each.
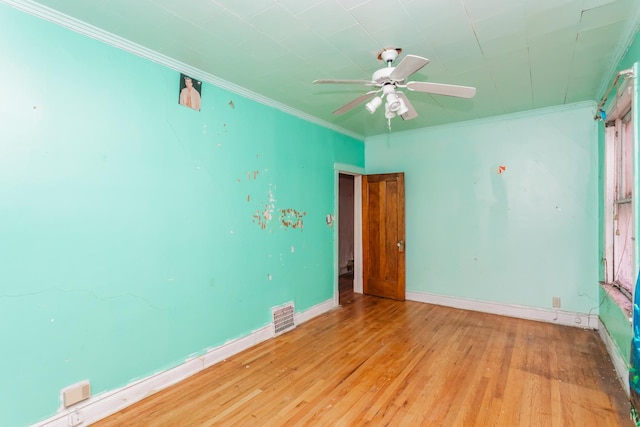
(389, 55)
(382, 75)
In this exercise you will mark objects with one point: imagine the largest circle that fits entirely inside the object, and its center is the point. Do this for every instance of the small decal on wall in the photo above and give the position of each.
(190, 92)
(501, 169)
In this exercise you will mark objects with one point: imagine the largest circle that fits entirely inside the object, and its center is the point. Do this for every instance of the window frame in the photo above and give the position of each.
(619, 171)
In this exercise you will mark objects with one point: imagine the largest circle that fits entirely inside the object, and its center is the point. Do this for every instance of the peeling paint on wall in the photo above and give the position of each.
(264, 215)
(292, 218)
(329, 220)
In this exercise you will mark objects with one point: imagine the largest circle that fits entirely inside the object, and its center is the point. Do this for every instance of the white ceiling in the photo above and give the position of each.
(519, 54)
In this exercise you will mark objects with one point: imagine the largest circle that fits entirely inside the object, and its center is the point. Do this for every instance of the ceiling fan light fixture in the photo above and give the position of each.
(387, 112)
(373, 105)
(403, 108)
(394, 102)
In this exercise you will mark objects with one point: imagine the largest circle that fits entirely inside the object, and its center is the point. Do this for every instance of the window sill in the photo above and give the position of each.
(620, 299)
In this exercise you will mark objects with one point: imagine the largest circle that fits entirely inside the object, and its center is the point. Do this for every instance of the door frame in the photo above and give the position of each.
(356, 172)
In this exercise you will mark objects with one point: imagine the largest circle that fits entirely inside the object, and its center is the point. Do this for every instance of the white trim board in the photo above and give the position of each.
(560, 317)
(618, 362)
(99, 34)
(102, 405)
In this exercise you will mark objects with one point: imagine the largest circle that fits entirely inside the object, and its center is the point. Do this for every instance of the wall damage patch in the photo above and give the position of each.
(264, 215)
(292, 218)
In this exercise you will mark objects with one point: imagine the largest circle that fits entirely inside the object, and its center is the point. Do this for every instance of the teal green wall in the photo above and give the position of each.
(518, 237)
(127, 230)
(614, 319)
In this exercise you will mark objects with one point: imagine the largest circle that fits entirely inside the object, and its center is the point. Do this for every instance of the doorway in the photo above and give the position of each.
(348, 244)
(346, 241)
(349, 205)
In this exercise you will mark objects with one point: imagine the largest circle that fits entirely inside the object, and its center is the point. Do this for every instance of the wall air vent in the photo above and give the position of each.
(283, 318)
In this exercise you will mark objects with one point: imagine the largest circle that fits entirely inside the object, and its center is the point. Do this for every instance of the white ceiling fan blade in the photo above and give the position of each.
(359, 100)
(411, 114)
(442, 89)
(344, 81)
(409, 65)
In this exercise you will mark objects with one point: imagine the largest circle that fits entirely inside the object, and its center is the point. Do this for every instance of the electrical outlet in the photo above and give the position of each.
(75, 419)
(556, 302)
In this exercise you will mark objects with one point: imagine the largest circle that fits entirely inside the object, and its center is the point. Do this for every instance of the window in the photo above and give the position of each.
(619, 232)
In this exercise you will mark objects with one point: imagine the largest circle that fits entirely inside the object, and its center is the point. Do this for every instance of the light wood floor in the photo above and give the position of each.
(380, 362)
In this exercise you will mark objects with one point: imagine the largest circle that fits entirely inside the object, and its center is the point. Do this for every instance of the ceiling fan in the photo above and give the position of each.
(388, 80)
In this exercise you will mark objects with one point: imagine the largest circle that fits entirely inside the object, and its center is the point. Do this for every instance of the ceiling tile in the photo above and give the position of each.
(539, 6)
(362, 48)
(554, 18)
(405, 36)
(598, 38)
(609, 13)
(547, 42)
(297, 6)
(463, 53)
(549, 92)
(484, 9)
(198, 13)
(327, 18)
(246, 8)
(350, 4)
(261, 49)
(590, 4)
(432, 11)
(376, 15)
(224, 29)
(510, 21)
(278, 23)
(310, 46)
(512, 68)
(498, 46)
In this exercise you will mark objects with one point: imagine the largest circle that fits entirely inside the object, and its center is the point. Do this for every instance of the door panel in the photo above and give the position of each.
(383, 235)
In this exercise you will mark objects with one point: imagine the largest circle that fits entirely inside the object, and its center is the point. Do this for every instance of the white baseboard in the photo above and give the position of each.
(102, 405)
(314, 311)
(621, 367)
(560, 317)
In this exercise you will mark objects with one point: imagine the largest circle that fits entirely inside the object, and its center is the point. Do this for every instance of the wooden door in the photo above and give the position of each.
(383, 235)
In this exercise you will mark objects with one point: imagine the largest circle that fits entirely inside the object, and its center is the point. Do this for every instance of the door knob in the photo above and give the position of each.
(400, 245)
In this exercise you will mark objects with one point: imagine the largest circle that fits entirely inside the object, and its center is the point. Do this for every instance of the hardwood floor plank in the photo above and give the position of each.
(382, 362)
